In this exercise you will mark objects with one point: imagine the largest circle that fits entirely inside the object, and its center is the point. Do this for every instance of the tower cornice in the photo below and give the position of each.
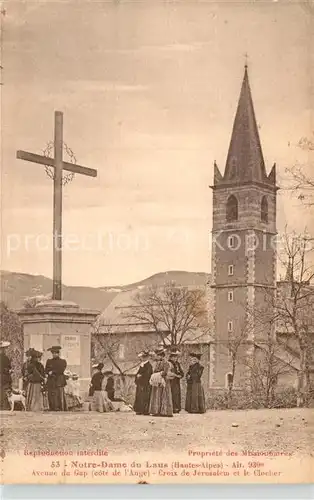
(226, 185)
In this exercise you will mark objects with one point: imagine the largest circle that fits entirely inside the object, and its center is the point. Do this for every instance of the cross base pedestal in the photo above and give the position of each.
(61, 323)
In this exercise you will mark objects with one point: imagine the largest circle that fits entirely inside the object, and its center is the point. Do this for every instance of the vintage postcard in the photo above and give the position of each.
(157, 270)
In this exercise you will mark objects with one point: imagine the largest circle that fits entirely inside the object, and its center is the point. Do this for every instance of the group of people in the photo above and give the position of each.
(102, 390)
(55, 388)
(46, 388)
(52, 387)
(158, 386)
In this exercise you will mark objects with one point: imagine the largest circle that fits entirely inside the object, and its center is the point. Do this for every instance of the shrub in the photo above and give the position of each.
(285, 398)
(245, 400)
(11, 330)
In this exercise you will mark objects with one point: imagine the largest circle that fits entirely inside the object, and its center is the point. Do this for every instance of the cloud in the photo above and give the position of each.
(102, 86)
(162, 48)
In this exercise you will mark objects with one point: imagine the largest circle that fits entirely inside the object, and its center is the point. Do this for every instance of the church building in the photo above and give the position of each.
(243, 241)
(242, 288)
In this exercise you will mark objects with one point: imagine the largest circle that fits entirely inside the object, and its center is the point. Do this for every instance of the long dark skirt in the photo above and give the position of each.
(34, 398)
(142, 399)
(161, 401)
(176, 395)
(4, 402)
(195, 398)
(56, 399)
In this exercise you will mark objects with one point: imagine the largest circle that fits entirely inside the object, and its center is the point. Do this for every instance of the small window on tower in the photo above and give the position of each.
(231, 242)
(230, 270)
(264, 209)
(232, 209)
(230, 296)
(230, 326)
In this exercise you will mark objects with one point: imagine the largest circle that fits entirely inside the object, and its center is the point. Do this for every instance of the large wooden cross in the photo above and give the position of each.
(58, 165)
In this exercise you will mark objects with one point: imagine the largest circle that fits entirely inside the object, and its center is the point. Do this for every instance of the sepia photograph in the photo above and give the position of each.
(157, 242)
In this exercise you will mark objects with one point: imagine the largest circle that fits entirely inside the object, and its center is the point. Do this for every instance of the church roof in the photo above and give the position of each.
(245, 162)
(117, 317)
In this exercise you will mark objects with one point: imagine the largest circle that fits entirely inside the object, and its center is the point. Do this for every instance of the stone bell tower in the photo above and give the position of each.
(243, 242)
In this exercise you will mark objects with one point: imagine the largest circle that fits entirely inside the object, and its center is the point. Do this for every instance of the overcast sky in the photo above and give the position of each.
(149, 91)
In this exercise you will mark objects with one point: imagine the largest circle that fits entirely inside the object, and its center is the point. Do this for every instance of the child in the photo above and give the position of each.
(68, 389)
(101, 401)
(75, 391)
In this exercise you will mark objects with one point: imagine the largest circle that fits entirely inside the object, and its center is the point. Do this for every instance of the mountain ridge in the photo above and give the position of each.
(15, 287)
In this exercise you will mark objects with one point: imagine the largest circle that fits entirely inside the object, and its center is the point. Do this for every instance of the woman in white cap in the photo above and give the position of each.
(75, 386)
(5, 375)
(72, 391)
(161, 398)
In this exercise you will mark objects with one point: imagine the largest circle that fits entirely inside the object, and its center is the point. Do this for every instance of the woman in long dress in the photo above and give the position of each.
(28, 355)
(195, 398)
(161, 398)
(36, 379)
(143, 387)
(175, 382)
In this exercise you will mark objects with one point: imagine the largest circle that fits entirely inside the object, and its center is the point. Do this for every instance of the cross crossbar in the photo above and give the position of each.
(50, 162)
(58, 166)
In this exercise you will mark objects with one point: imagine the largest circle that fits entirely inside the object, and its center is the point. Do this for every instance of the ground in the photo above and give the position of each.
(279, 430)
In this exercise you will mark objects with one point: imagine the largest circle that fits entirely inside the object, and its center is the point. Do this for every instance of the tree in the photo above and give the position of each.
(266, 367)
(174, 313)
(11, 330)
(302, 181)
(294, 305)
(106, 345)
(235, 344)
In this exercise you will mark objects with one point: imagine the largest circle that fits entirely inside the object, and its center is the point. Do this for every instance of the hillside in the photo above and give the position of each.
(15, 287)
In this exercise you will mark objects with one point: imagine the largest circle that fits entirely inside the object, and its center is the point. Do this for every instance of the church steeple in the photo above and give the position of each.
(244, 210)
(245, 162)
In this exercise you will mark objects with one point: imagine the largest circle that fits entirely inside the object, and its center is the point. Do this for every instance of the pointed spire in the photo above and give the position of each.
(217, 174)
(272, 175)
(245, 160)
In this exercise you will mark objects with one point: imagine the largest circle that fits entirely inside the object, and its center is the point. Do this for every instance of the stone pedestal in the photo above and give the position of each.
(65, 324)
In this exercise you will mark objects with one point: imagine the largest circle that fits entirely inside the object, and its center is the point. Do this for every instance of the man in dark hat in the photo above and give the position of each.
(56, 380)
(5, 375)
(143, 387)
(176, 374)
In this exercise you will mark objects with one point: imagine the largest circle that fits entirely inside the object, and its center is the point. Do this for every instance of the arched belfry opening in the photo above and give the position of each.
(232, 209)
(264, 209)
